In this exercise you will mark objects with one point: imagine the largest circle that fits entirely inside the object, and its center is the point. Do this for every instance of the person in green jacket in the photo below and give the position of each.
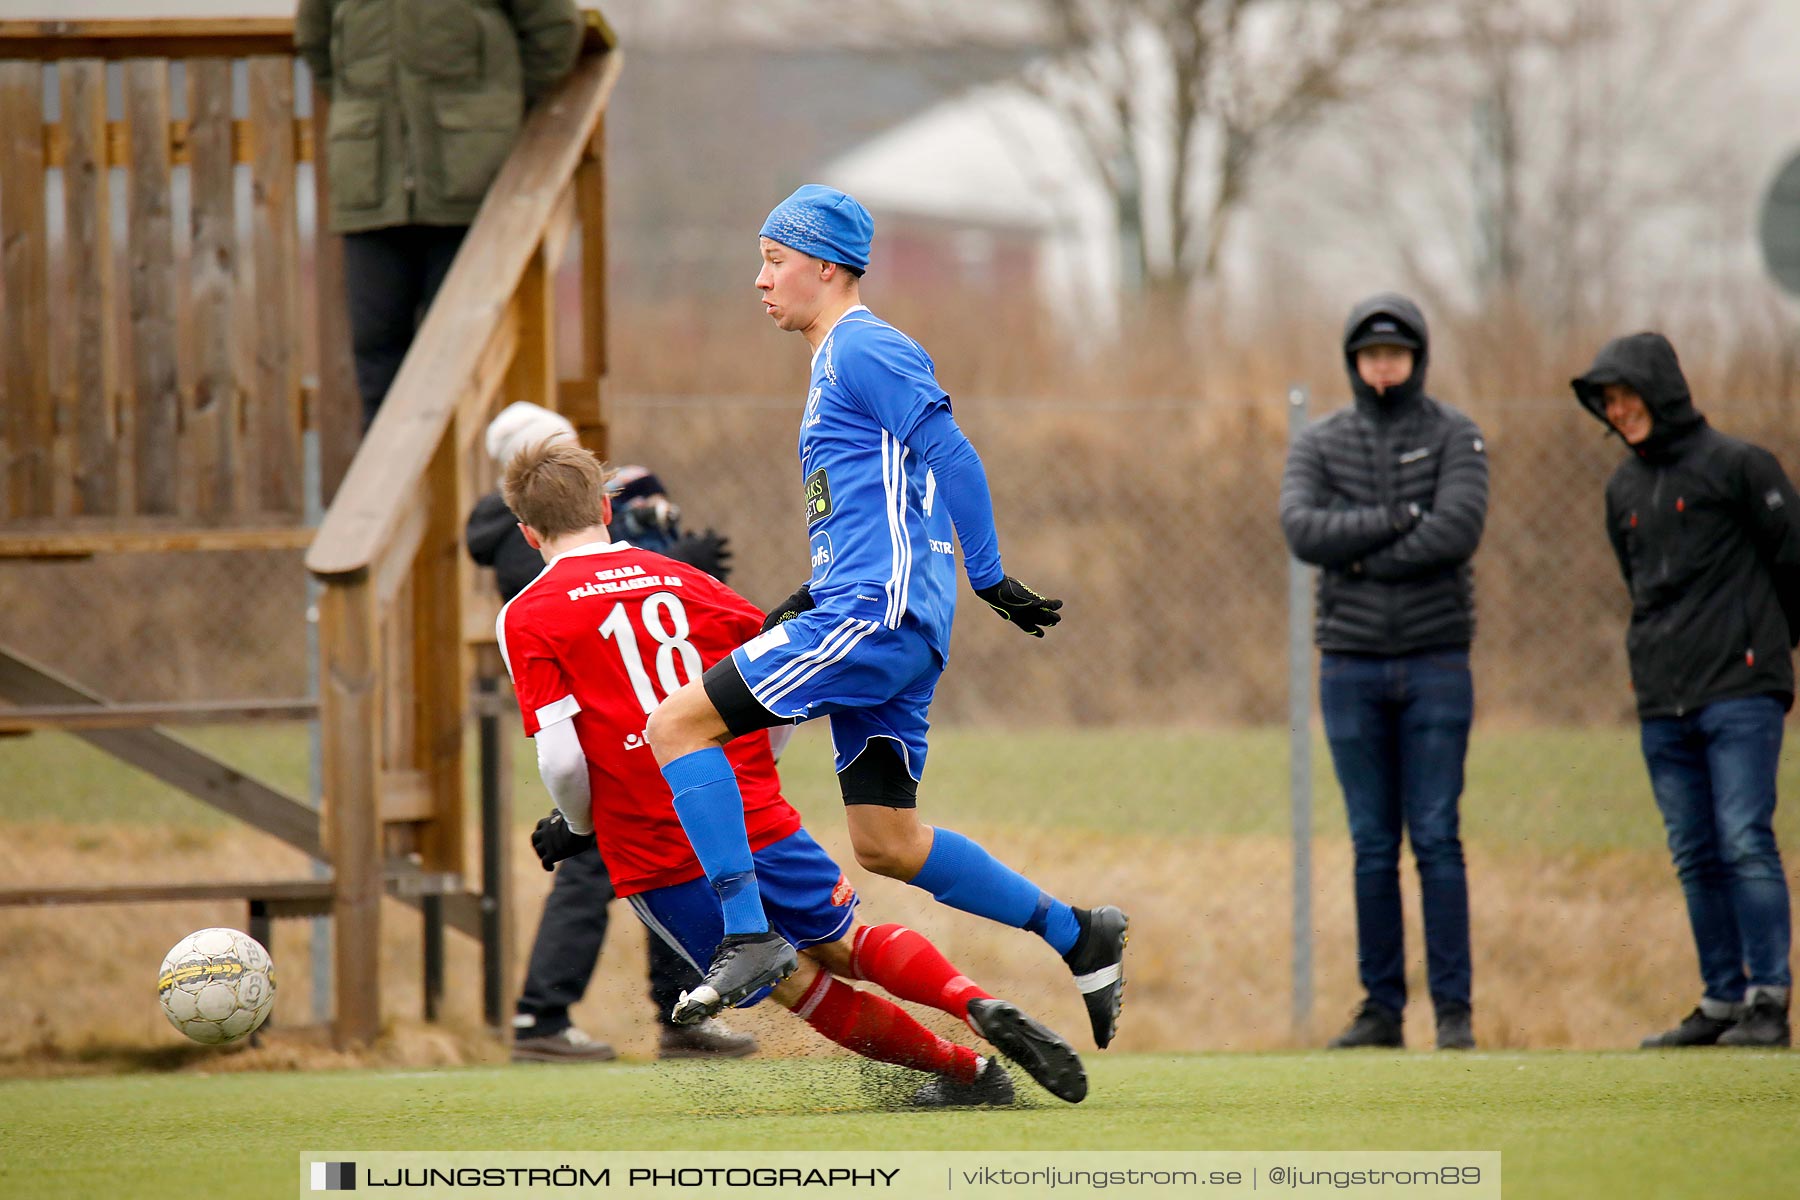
(427, 97)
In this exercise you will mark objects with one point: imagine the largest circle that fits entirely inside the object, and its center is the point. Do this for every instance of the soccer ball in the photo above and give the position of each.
(217, 985)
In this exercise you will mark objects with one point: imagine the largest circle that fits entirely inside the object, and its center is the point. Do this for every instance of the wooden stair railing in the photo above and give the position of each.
(395, 667)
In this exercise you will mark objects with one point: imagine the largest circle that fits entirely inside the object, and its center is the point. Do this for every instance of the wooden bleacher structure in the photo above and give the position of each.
(150, 405)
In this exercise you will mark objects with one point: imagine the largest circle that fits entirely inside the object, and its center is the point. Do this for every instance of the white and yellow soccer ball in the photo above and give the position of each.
(216, 985)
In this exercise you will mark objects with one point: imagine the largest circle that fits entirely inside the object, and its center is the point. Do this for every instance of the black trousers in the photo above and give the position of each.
(390, 277)
(568, 945)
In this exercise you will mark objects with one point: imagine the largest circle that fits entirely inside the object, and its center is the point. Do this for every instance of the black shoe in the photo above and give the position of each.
(708, 1039)
(1374, 1025)
(1455, 1027)
(566, 1045)
(1696, 1029)
(743, 963)
(1040, 1051)
(992, 1086)
(1764, 1024)
(1097, 961)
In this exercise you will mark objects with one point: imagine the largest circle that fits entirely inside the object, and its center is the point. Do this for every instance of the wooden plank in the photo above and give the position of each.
(155, 893)
(173, 38)
(441, 685)
(533, 373)
(476, 407)
(133, 716)
(275, 238)
(116, 150)
(169, 759)
(94, 357)
(214, 407)
(579, 400)
(284, 898)
(337, 409)
(405, 796)
(398, 688)
(395, 566)
(561, 227)
(69, 542)
(156, 399)
(432, 381)
(348, 698)
(30, 406)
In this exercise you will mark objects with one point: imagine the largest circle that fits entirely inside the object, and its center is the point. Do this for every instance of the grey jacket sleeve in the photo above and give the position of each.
(1447, 535)
(549, 33)
(1774, 515)
(1321, 529)
(312, 38)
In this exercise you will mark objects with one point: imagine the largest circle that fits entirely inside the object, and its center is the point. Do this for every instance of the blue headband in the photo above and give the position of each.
(824, 223)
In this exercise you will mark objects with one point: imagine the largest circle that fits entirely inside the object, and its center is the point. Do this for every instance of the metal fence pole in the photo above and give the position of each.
(1300, 756)
(315, 788)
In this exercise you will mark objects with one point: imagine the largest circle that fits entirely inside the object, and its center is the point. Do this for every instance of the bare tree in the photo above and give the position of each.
(1565, 144)
(1175, 104)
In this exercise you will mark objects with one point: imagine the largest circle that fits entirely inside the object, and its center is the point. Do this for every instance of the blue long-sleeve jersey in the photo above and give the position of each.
(888, 478)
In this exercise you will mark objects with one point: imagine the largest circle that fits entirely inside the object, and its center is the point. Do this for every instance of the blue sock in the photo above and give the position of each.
(963, 875)
(711, 810)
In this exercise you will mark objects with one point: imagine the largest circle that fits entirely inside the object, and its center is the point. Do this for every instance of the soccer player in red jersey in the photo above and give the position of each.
(593, 645)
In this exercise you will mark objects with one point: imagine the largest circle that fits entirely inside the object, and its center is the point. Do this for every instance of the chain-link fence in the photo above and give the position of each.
(1139, 754)
(1152, 723)
(1157, 523)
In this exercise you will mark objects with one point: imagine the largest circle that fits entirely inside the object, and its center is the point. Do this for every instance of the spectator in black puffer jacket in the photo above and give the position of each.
(1707, 532)
(1388, 498)
(573, 927)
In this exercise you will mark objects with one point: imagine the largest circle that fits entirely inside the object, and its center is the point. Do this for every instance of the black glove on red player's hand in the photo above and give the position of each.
(554, 840)
(1022, 606)
(710, 551)
(790, 608)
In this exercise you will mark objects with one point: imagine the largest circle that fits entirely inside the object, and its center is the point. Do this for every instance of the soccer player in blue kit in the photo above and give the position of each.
(888, 481)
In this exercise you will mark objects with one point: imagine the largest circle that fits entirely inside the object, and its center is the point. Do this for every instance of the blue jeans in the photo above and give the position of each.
(1713, 772)
(1399, 730)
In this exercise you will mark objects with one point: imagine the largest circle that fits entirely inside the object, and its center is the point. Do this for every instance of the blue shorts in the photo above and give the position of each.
(804, 892)
(871, 680)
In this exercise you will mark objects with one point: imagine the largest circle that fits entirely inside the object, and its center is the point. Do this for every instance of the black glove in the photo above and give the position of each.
(1022, 606)
(1405, 515)
(710, 551)
(554, 840)
(790, 608)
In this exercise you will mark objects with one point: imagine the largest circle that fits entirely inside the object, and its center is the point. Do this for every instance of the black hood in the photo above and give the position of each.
(1393, 307)
(1645, 363)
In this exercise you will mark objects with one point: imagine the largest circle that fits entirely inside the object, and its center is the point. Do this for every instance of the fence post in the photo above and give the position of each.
(496, 825)
(320, 941)
(348, 705)
(1300, 756)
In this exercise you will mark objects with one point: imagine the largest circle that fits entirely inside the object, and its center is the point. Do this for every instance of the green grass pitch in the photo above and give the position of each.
(1567, 1125)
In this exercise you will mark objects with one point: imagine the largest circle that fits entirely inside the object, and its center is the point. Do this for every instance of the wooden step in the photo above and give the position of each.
(137, 716)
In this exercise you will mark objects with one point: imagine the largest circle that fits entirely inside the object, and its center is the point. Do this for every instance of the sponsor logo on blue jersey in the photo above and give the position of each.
(818, 496)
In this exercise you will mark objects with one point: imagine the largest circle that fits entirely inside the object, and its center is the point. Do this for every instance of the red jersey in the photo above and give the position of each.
(604, 635)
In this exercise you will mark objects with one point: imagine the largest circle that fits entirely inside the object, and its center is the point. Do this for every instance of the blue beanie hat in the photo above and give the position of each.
(824, 223)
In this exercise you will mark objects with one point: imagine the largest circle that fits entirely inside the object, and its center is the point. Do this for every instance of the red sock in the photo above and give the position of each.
(880, 1029)
(908, 965)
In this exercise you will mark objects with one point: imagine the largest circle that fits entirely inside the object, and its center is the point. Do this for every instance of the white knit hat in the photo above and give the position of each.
(524, 424)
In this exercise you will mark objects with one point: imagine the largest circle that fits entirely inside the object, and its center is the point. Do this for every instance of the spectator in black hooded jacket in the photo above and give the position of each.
(573, 926)
(1707, 531)
(1388, 498)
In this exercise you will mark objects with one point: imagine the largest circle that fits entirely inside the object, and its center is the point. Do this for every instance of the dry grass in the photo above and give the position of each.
(1582, 951)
